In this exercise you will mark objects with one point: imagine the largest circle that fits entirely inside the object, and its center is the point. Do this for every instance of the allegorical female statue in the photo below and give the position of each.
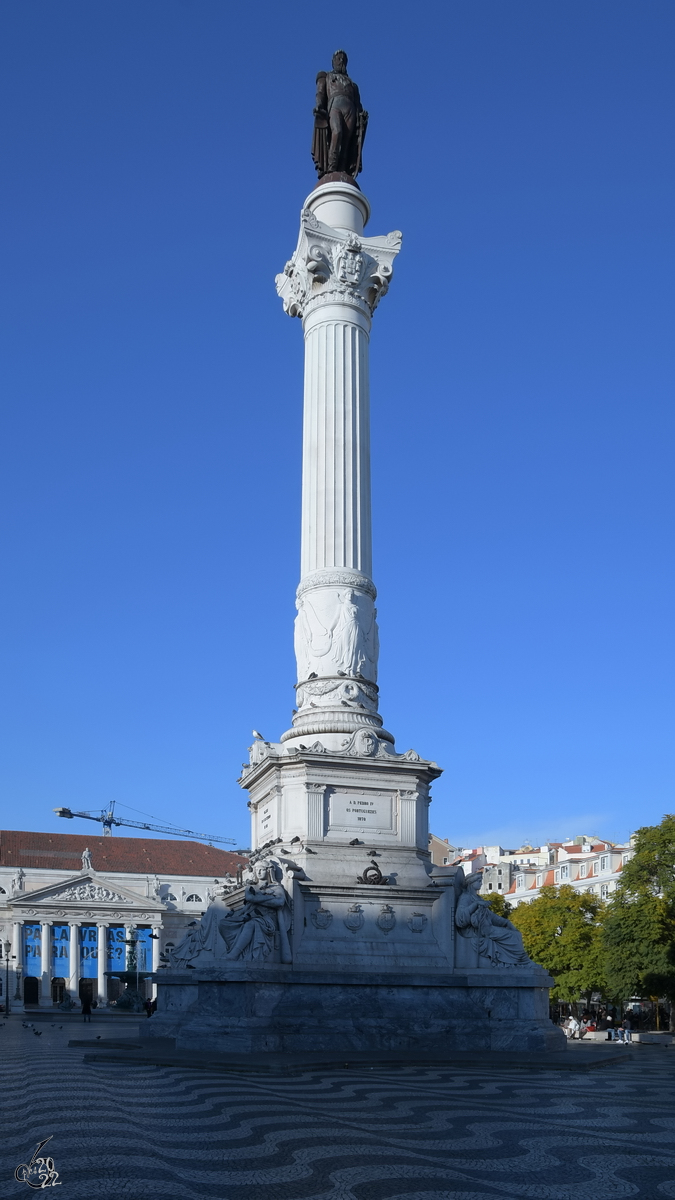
(201, 937)
(248, 932)
(339, 121)
(491, 936)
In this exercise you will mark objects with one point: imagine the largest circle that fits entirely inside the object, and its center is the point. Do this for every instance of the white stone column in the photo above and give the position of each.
(17, 955)
(129, 933)
(45, 965)
(102, 955)
(156, 950)
(74, 960)
(334, 282)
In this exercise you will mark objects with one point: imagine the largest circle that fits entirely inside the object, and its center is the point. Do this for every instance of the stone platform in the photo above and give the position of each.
(286, 1010)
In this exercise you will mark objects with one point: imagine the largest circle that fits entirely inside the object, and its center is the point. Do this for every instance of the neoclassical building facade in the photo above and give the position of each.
(75, 910)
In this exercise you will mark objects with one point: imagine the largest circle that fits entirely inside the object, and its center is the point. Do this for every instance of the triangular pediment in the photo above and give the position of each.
(87, 887)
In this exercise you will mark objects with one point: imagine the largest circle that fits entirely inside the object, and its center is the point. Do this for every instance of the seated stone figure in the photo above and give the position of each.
(241, 933)
(248, 932)
(483, 931)
(201, 937)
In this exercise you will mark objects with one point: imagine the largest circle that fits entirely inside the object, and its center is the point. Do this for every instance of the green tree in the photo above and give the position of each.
(639, 929)
(562, 932)
(499, 904)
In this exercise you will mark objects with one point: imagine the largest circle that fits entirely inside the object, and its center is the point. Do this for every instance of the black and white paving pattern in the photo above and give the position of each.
(377, 1133)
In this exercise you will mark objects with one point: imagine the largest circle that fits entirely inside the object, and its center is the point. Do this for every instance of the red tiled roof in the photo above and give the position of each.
(63, 851)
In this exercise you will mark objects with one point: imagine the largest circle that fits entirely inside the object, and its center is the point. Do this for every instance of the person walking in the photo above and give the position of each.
(86, 1008)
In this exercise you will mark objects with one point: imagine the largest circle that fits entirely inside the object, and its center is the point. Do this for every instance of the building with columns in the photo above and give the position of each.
(74, 908)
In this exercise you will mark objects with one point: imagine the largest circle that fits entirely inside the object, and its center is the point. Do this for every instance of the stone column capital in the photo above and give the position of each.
(334, 266)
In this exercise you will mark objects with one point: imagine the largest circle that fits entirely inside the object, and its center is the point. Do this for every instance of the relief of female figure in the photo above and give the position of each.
(346, 635)
(494, 937)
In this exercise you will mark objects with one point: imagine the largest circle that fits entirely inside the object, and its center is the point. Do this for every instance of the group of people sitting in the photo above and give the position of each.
(588, 1024)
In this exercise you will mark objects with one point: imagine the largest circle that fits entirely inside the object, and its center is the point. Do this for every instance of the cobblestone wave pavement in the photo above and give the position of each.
(378, 1133)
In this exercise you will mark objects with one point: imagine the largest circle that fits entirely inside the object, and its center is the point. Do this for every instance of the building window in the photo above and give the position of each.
(596, 867)
(583, 867)
(539, 879)
(499, 887)
(557, 876)
(170, 896)
(551, 857)
(521, 881)
(604, 862)
(604, 891)
(193, 898)
(499, 872)
(564, 872)
(2, 892)
(625, 859)
(445, 862)
(489, 887)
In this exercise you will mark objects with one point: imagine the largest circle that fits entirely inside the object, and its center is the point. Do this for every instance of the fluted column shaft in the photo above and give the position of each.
(336, 514)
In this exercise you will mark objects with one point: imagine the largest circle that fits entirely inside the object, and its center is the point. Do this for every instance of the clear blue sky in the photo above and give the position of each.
(155, 156)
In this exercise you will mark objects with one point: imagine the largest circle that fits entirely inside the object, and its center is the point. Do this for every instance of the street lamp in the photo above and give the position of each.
(7, 946)
(133, 941)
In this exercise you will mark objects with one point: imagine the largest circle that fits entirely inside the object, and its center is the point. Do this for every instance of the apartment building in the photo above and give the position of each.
(585, 866)
(586, 862)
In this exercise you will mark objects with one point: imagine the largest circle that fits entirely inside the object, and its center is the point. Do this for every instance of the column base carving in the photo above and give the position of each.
(335, 721)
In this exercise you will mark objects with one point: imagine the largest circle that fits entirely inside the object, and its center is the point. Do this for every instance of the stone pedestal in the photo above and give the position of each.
(287, 1009)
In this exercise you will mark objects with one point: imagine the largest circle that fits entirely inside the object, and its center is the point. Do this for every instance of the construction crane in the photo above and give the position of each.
(108, 819)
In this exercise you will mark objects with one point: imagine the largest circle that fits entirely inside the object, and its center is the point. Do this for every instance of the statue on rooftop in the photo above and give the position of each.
(340, 122)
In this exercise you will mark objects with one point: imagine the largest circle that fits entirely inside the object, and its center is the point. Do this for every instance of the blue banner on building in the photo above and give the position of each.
(88, 952)
(60, 956)
(144, 949)
(32, 950)
(116, 956)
